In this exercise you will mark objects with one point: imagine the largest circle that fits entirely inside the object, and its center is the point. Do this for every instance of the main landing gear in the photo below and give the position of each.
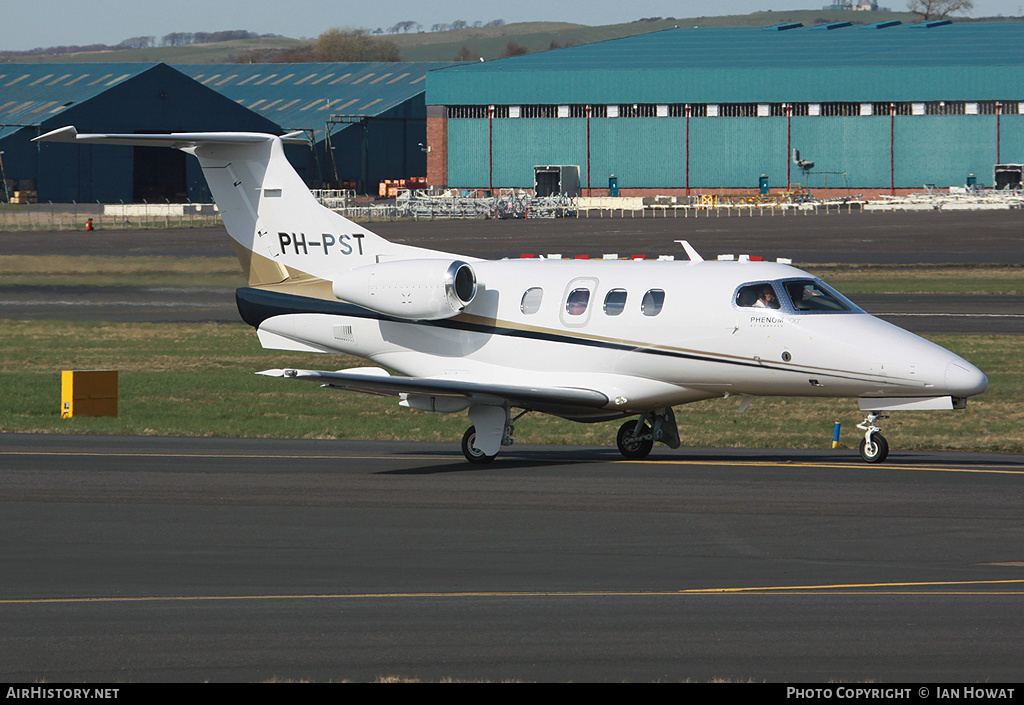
(636, 437)
(873, 447)
(476, 449)
(471, 451)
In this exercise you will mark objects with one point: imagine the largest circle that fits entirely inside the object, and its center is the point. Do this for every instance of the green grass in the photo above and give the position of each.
(120, 271)
(922, 279)
(197, 380)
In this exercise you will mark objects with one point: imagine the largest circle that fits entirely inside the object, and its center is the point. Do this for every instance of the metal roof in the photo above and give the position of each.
(304, 96)
(783, 62)
(838, 44)
(31, 94)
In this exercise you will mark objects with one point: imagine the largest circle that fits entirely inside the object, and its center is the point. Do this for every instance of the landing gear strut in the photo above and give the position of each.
(873, 447)
(474, 452)
(636, 437)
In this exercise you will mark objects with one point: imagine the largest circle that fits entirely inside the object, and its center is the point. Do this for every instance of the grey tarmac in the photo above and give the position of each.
(173, 559)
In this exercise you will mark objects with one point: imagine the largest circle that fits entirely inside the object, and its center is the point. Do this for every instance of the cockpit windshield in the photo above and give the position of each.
(811, 295)
(796, 295)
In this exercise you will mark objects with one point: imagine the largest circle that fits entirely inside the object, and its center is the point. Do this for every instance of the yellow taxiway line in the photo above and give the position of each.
(852, 464)
(835, 589)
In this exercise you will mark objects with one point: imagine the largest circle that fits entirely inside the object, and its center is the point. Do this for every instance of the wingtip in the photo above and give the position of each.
(61, 134)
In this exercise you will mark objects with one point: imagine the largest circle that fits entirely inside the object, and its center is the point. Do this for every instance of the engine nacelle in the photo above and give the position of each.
(415, 289)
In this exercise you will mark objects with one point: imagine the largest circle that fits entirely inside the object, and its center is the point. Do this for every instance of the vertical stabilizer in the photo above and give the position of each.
(280, 231)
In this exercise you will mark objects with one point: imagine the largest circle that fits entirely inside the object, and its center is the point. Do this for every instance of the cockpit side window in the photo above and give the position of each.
(758, 296)
(809, 295)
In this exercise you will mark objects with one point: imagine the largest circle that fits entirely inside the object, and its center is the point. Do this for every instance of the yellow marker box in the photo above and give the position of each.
(88, 393)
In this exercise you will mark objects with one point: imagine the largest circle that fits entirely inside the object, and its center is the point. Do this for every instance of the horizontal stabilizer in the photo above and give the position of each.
(177, 140)
(376, 381)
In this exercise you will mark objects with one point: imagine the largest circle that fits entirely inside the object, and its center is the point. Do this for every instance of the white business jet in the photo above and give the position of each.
(586, 340)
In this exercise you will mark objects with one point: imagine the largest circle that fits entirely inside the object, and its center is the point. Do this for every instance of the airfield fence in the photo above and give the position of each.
(421, 204)
(109, 216)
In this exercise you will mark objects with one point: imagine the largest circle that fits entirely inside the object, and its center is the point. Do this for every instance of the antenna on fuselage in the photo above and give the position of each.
(690, 252)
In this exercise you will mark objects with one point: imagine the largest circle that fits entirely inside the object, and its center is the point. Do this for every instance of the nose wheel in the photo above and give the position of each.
(636, 437)
(873, 447)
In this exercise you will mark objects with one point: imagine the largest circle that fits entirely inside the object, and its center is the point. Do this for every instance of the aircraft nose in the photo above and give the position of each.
(964, 379)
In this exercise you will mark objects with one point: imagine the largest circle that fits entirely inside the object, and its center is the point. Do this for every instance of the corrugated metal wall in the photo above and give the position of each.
(735, 152)
(934, 64)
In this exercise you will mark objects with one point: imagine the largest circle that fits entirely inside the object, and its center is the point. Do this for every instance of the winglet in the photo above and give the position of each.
(690, 252)
(63, 134)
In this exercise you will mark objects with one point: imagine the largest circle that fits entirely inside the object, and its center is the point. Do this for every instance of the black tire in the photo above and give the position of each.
(469, 449)
(631, 447)
(877, 451)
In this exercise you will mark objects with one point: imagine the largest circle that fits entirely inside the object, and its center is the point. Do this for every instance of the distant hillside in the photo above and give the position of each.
(486, 42)
(213, 53)
(538, 36)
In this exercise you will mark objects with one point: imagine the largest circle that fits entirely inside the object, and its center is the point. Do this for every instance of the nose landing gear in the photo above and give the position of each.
(636, 437)
(873, 447)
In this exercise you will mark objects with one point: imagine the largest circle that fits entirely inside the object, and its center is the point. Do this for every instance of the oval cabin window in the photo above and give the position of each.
(614, 302)
(531, 300)
(576, 302)
(652, 303)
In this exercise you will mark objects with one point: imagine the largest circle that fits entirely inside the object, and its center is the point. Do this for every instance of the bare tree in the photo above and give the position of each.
(176, 39)
(467, 54)
(403, 26)
(353, 45)
(513, 48)
(938, 9)
(137, 43)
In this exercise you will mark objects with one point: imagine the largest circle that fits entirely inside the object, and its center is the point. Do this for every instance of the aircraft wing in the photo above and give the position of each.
(377, 381)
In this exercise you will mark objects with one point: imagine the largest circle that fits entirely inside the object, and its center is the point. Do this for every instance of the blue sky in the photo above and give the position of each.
(110, 21)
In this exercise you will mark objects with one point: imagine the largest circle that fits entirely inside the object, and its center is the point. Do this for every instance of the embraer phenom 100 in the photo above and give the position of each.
(586, 340)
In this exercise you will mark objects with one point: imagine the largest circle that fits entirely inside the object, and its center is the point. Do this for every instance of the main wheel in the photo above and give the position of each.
(875, 451)
(469, 449)
(629, 445)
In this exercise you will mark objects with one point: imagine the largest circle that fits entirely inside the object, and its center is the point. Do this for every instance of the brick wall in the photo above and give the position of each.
(437, 140)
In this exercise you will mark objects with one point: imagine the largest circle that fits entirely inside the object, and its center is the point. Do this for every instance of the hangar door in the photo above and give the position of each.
(158, 175)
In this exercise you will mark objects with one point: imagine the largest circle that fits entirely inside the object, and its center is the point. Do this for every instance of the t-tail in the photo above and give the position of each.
(281, 233)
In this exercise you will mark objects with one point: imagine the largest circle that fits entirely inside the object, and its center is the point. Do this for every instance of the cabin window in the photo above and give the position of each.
(576, 302)
(531, 300)
(809, 295)
(652, 303)
(614, 302)
(758, 296)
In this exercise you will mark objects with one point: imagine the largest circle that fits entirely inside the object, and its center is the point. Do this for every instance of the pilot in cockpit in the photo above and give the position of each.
(767, 298)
